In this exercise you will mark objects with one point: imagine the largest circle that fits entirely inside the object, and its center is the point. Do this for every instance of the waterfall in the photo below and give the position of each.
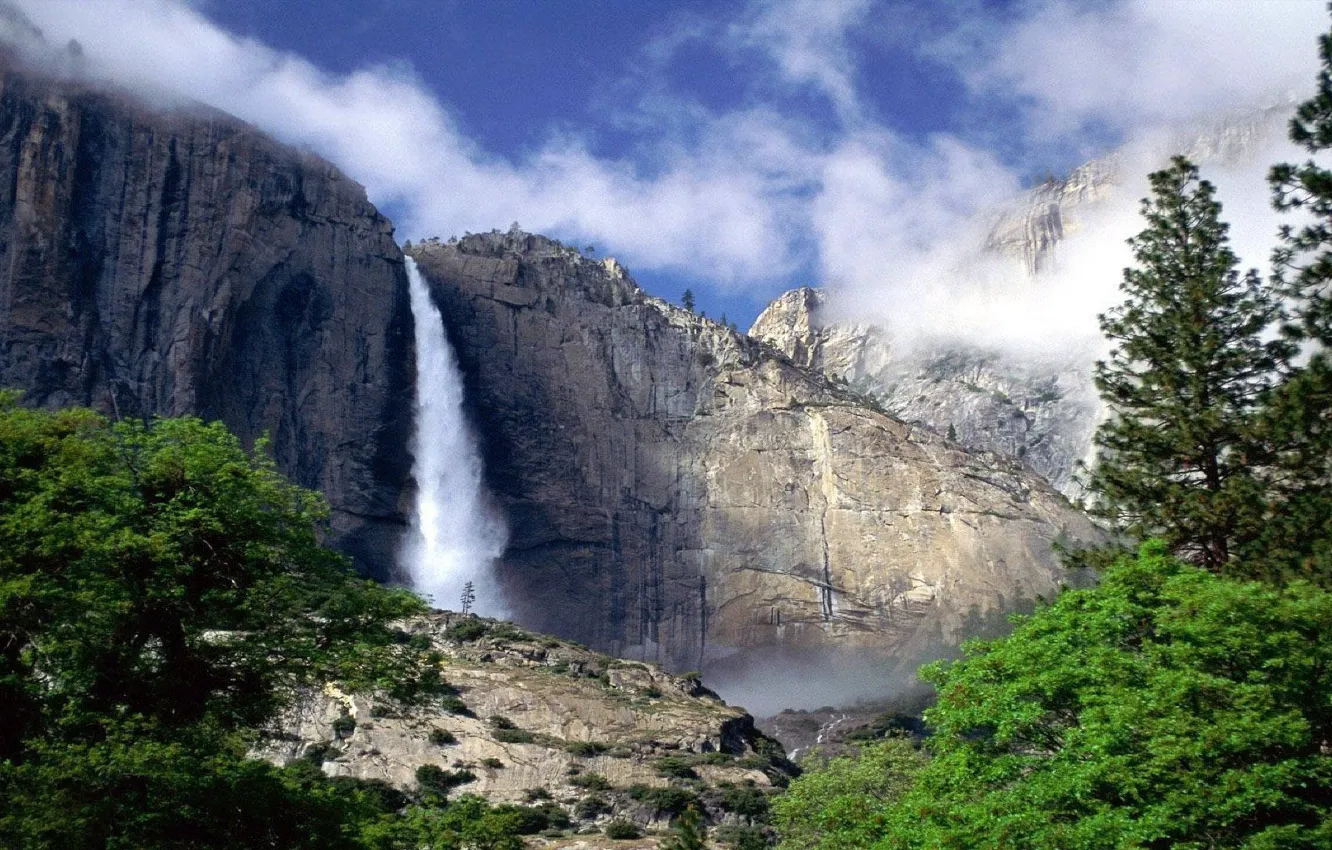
(455, 535)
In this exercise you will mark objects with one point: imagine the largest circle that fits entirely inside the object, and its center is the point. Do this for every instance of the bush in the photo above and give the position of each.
(318, 753)
(664, 801)
(499, 721)
(454, 705)
(435, 779)
(591, 782)
(344, 725)
(442, 737)
(585, 749)
(531, 795)
(675, 767)
(591, 806)
(466, 631)
(492, 763)
(738, 837)
(513, 736)
(622, 830)
(746, 801)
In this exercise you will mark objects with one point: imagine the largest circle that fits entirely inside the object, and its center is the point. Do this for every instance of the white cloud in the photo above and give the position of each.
(746, 196)
(715, 207)
(807, 39)
(1139, 63)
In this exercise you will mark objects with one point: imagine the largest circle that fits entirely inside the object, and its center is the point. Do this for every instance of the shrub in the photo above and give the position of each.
(675, 767)
(442, 737)
(664, 801)
(435, 779)
(591, 782)
(492, 763)
(318, 753)
(499, 721)
(454, 705)
(344, 725)
(591, 806)
(585, 749)
(513, 736)
(531, 795)
(621, 830)
(466, 631)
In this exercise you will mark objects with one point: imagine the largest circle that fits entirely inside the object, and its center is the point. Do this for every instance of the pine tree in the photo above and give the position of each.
(1179, 456)
(687, 300)
(468, 597)
(1299, 418)
(687, 833)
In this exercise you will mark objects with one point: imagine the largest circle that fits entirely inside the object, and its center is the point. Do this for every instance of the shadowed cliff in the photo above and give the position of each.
(172, 261)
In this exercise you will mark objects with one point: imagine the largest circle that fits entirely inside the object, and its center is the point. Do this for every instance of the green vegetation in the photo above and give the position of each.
(1186, 701)
(591, 782)
(621, 830)
(163, 594)
(1179, 456)
(442, 737)
(842, 804)
(687, 832)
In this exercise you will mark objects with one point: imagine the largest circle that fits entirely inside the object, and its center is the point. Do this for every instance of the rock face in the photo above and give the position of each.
(1042, 414)
(536, 718)
(682, 493)
(178, 261)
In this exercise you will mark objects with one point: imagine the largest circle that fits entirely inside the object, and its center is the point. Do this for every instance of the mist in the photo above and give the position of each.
(949, 288)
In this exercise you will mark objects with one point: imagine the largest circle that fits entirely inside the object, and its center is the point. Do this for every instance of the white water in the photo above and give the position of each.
(455, 536)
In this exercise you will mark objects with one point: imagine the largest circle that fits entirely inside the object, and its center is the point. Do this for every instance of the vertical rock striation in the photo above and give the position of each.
(172, 261)
(683, 493)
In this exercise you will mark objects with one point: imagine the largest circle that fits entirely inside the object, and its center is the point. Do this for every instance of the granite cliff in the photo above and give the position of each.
(683, 493)
(675, 491)
(172, 261)
(1039, 413)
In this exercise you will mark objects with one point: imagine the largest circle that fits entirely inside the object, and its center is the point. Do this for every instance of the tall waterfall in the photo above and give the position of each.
(455, 536)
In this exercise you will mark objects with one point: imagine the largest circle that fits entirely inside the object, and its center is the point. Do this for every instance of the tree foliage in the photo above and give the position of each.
(844, 804)
(1180, 453)
(163, 593)
(1168, 707)
(1299, 418)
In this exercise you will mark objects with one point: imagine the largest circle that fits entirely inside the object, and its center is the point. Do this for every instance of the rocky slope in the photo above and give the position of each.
(681, 493)
(542, 721)
(172, 261)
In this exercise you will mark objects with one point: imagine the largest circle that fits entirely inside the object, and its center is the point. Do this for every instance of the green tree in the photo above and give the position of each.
(1299, 418)
(162, 593)
(1179, 456)
(843, 804)
(687, 300)
(687, 832)
(1168, 707)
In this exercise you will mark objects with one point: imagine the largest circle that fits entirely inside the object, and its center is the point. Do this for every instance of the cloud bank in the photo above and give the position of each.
(751, 197)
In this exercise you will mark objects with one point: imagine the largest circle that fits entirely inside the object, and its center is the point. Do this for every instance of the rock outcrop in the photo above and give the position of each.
(682, 493)
(173, 261)
(1041, 413)
(539, 719)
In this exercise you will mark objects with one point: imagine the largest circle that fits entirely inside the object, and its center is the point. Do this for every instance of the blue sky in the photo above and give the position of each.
(735, 148)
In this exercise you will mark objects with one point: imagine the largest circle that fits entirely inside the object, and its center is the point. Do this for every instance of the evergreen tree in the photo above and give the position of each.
(687, 300)
(1299, 418)
(468, 597)
(1178, 455)
(687, 833)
